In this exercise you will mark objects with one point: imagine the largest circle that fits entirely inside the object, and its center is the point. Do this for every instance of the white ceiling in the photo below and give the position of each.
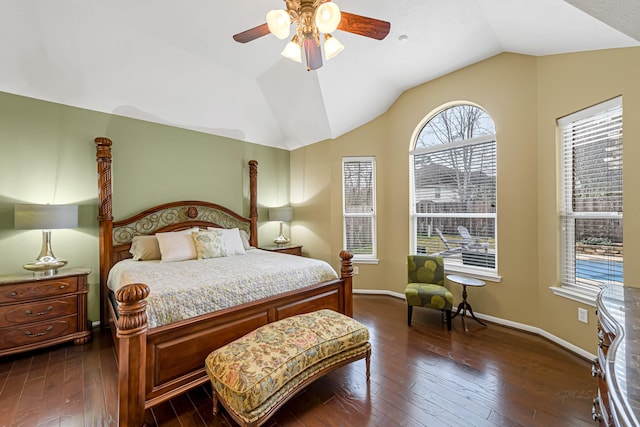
(175, 62)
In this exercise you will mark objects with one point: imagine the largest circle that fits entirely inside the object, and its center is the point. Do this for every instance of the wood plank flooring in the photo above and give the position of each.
(420, 376)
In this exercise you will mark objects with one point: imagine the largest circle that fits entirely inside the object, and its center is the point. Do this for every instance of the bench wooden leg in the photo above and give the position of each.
(368, 362)
(216, 403)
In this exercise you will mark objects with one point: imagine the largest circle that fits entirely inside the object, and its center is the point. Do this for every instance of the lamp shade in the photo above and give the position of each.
(293, 51)
(332, 47)
(45, 217)
(284, 214)
(279, 23)
(328, 17)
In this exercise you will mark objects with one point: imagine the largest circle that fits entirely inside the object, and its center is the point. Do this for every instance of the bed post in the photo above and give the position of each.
(346, 274)
(253, 201)
(132, 353)
(105, 221)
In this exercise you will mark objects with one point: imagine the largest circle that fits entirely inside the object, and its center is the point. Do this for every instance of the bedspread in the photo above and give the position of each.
(185, 289)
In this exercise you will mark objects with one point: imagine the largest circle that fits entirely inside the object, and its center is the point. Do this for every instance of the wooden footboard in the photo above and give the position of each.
(172, 356)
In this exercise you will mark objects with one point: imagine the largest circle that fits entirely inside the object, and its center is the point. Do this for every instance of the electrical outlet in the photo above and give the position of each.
(583, 315)
(356, 270)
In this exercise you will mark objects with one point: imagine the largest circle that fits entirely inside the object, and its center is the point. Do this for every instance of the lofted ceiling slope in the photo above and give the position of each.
(175, 62)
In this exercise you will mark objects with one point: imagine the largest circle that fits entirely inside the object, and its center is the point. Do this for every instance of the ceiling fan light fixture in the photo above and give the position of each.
(279, 23)
(327, 17)
(332, 47)
(292, 50)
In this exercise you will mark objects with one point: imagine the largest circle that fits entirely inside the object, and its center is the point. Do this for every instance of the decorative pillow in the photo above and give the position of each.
(245, 240)
(209, 244)
(232, 240)
(177, 245)
(145, 248)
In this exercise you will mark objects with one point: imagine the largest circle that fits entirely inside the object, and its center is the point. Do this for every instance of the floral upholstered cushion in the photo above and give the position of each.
(246, 373)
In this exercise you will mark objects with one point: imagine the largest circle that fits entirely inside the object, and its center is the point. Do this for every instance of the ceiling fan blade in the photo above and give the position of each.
(313, 53)
(363, 26)
(252, 34)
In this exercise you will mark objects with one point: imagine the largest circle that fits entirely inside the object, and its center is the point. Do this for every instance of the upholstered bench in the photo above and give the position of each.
(255, 375)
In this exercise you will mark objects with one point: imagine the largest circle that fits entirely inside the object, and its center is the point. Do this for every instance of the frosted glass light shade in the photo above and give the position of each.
(332, 47)
(327, 17)
(279, 23)
(292, 51)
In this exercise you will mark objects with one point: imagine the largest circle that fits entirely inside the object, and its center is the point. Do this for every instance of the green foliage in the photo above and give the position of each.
(601, 241)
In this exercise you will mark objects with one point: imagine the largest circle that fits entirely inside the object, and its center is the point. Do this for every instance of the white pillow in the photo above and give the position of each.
(232, 240)
(177, 245)
(245, 240)
(145, 248)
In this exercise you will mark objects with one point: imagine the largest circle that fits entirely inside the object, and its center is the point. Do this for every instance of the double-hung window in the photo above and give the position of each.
(591, 196)
(359, 207)
(453, 171)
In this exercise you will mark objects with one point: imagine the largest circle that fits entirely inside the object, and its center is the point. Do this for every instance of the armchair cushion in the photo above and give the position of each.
(426, 283)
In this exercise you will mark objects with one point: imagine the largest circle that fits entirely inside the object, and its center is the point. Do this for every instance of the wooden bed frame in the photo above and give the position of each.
(159, 363)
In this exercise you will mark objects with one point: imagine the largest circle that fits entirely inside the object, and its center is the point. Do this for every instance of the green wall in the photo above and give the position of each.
(48, 156)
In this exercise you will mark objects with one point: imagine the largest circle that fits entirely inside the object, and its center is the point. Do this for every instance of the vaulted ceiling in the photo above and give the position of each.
(175, 62)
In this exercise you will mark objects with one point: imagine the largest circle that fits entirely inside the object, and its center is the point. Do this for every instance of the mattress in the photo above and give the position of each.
(185, 289)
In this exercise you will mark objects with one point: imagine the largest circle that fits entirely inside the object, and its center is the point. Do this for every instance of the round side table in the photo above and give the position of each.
(464, 306)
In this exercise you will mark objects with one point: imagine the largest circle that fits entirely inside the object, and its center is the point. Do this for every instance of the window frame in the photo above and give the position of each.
(567, 217)
(475, 271)
(371, 258)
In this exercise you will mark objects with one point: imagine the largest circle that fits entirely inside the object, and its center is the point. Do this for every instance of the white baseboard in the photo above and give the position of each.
(515, 325)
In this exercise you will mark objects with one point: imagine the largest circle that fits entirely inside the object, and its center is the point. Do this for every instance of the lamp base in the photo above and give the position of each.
(45, 268)
(281, 240)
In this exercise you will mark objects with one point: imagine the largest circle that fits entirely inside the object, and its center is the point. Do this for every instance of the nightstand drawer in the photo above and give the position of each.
(38, 289)
(30, 312)
(37, 332)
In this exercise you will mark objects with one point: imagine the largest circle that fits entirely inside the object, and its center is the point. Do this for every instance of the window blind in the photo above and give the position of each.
(452, 187)
(591, 193)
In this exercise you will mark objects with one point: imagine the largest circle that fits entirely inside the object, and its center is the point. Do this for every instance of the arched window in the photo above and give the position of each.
(453, 168)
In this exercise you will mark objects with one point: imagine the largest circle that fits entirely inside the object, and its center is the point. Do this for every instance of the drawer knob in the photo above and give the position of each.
(13, 294)
(41, 313)
(39, 334)
(595, 415)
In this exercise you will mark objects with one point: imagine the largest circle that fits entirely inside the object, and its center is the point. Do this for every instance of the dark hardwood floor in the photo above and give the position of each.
(420, 376)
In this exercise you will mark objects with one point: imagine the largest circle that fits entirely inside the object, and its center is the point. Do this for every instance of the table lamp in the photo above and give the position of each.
(282, 214)
(45, 218)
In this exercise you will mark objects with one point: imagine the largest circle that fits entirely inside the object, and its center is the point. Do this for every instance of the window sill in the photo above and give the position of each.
(356, 260)
(581, 295)
(478, 273)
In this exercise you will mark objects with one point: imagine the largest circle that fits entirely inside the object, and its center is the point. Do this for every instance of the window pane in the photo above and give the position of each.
(359, 237)
(458, 123)
(358, 187)
(598, 255)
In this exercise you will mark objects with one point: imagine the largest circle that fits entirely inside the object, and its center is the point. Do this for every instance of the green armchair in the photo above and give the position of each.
(425, 286)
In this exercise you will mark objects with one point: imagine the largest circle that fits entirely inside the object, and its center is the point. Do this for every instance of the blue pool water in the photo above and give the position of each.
(599, 270)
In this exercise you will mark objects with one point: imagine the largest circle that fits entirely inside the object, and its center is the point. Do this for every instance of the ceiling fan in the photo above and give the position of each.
(315, 21)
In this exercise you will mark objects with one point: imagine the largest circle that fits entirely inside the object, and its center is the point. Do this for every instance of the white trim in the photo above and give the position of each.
(357, 260)
(594, 110)
(508, 323)
(582, 296)
(476, 272)
(95, 324)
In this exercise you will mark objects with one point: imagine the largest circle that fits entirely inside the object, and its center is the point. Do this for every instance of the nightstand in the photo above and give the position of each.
(287, 249)
(37, 312)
